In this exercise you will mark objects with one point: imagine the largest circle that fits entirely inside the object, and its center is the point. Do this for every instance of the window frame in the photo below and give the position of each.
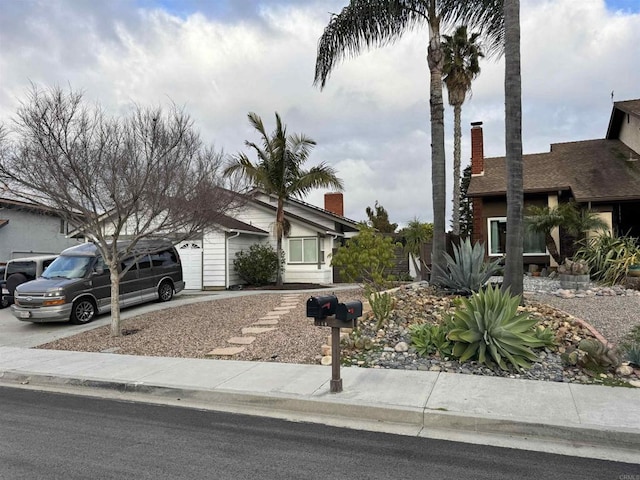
(316, 242)
(504, 220)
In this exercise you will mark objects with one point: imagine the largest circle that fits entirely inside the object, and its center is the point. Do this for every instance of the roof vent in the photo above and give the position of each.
(631, 158)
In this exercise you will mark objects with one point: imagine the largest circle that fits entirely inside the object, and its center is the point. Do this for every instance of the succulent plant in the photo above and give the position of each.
(467, 270)
(574, 267)
(488, 327)
(597, 355)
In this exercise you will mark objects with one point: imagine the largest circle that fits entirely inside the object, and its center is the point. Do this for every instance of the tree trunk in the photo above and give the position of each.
(552, 247)
(279, 230)
(513, 129)
(438, 181)
(115, 304)
(457, 135)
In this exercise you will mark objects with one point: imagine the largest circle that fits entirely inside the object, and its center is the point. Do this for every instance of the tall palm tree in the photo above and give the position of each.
(279, 171)
(461, 66)
(364, 24)
(514, 269)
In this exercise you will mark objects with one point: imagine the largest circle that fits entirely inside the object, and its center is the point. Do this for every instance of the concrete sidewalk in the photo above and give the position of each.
(581, 420)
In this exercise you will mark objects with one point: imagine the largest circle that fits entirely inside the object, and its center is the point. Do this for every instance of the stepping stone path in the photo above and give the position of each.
(267, 323)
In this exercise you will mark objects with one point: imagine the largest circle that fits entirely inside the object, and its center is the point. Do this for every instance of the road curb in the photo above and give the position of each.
(331, 406)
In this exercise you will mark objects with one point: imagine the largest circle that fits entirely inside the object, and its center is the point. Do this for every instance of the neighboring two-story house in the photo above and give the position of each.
(602, 174)
(27, 230)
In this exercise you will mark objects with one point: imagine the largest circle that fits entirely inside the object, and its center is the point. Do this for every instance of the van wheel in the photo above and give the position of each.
(165, 292)
(83, 311)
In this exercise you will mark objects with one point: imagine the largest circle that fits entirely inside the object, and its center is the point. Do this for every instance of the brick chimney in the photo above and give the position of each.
(333, 203)
(477, 149)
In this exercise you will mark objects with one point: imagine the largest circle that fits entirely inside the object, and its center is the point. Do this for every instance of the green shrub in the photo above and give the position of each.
(428, 339)
(488, 327)
(382, 303)
(609, 257)
(467, 271)
(367, 257)
(257, 266)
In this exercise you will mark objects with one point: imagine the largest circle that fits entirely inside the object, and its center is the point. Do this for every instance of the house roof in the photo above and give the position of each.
(232, 225)
(292, 216)
(327, 213)
(594, 170)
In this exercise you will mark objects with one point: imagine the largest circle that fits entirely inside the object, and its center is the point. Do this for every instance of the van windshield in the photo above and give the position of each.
(68, 267)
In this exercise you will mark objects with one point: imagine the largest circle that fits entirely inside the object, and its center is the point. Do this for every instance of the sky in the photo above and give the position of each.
(221, 59)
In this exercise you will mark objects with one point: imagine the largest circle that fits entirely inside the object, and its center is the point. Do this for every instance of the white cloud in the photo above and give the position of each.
(371, 121)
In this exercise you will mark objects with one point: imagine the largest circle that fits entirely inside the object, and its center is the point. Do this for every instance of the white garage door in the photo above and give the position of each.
(191, 258)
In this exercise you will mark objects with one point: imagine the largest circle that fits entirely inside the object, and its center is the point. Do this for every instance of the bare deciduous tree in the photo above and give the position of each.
(142, 175)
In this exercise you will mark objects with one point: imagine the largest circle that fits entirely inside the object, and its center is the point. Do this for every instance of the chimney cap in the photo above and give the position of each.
(476, 124)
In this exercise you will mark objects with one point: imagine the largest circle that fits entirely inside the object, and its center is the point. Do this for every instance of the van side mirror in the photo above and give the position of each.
(99, 270)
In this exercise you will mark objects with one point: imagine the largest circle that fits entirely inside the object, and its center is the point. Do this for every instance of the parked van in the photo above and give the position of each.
(20, 270)
(77, 285)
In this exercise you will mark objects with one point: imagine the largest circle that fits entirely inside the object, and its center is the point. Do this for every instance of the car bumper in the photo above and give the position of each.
(42, 314)
(178, 286)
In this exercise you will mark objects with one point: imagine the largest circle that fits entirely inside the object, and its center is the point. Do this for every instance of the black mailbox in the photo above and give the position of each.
(349, 311)
(322, 307)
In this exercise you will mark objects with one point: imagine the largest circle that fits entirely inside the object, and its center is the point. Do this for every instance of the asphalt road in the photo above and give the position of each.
(56, 436)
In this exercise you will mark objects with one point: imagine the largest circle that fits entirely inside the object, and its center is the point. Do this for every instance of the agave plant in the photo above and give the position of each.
(467, 271)
(488, 327)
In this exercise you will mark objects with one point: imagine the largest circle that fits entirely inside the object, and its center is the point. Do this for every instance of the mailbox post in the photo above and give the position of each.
(327, 312)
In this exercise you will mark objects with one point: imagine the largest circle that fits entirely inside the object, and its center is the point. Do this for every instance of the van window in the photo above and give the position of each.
(130, 261)
(166, 258)
(68, 267)
(144, 262)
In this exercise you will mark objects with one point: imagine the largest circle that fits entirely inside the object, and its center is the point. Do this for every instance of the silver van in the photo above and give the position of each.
(20, 270)
(77, 285)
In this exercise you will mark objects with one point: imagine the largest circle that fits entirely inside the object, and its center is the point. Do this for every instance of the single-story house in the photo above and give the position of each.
(27, 230)
(314, 233)
(602, 175)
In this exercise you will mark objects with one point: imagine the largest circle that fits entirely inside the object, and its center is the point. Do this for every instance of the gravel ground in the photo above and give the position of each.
(612, 316)
(194, 330)
(191, 331)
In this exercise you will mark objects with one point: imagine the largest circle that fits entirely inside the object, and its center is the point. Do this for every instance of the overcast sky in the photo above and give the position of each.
(222, 59)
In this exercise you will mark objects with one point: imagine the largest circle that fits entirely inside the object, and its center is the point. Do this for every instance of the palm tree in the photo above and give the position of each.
(364, 24)
(572, 221)
(461, 66)
(514, 269)
(414, 235)
(278, 171)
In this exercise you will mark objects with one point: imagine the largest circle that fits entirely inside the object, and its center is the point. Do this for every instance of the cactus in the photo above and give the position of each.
(597, 355)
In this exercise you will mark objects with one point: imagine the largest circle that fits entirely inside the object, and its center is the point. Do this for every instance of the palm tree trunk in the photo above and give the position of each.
(457, 135)
(279, 230)
(513, 129)
(438, 181)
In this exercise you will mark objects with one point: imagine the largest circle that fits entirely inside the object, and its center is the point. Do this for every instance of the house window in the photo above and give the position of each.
(303, 250)
(534, 243)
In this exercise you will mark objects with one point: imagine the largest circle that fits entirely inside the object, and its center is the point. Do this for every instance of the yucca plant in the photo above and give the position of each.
(467, 271)
(487, 327)
(609, 257)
